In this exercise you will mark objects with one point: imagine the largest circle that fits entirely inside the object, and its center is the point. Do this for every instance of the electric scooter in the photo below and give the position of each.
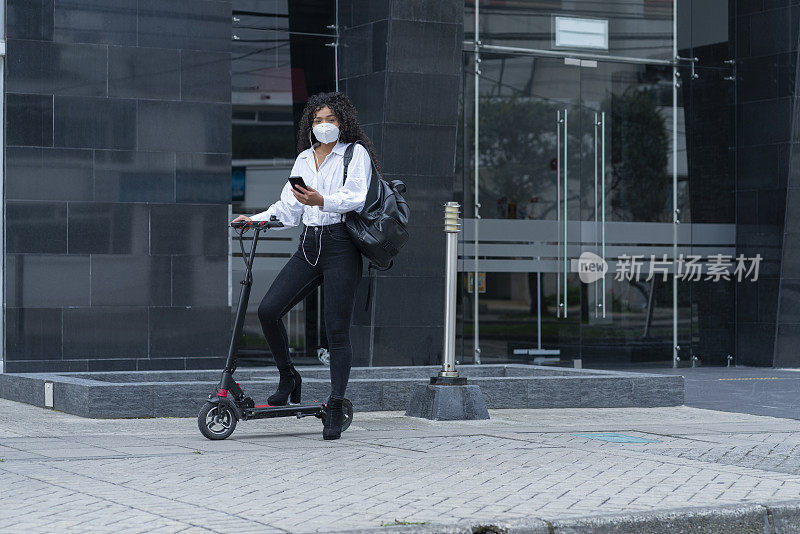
(222, 410)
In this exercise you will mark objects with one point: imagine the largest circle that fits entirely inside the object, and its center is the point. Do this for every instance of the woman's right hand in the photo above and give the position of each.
(241, 218)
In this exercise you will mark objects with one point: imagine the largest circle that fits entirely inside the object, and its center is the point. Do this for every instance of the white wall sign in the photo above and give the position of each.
(573, 32)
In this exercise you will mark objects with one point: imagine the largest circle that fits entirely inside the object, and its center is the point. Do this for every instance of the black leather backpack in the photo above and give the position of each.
(379, 230)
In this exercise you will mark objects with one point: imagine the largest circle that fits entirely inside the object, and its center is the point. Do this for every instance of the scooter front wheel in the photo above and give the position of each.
(216, 421)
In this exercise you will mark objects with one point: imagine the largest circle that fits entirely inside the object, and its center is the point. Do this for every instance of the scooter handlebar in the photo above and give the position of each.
(257, 224)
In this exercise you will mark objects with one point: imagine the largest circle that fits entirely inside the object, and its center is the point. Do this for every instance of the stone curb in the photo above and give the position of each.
(182, 393)
(747, 518)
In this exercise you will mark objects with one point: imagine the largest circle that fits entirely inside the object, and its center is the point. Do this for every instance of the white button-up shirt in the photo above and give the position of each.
(338, 199)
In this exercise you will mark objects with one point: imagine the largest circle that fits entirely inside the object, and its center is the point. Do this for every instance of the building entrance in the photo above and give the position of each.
(576, 232)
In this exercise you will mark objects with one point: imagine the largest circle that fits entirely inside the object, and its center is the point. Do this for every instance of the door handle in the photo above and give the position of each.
(601, 123)
(597, 304)
(566, 215)
(561, 277)
(603, 200)
(558, 212)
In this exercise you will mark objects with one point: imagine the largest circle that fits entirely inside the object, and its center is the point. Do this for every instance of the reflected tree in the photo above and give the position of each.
(640, 187)
(518, 142)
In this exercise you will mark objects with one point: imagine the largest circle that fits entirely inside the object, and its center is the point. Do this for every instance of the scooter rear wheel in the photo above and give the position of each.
(347, 408)
(216, 421)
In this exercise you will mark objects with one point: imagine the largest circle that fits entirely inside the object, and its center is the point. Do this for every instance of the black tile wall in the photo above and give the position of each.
(152, 73)
(146, 280)
(47, 280)
(195, 280)
(29, 19)
(105, 332)
(364, 90)
(412, 41)
(425, 11)
(767, 172)
(413, 98)
(118, 137)
(56, 68)
(766, 50)
(183, 126)
(134, 176)
(29, 120)
(771, 32)
(48, 174)
(33, 333)
(210, 327)
(22, 219)
(401, 68)
(185, 24)
(366, 47)
(108, 228)
(203, 178)
(366, 12)
(96, 21)
(85, 122)
(200, 75)
(188, 229)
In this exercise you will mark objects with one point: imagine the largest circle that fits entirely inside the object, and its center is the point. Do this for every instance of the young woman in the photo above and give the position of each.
(326, 255)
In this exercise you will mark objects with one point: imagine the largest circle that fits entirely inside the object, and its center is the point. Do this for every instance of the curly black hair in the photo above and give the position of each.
(349, 128)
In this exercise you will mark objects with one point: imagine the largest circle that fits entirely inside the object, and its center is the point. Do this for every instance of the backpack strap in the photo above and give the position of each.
(348, 156)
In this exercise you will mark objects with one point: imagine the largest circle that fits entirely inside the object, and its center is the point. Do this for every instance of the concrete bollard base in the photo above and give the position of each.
(447, 403)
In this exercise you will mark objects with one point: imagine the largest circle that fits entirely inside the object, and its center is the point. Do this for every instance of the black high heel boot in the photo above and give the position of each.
(334, 419)
(289, 385)
(295, 395)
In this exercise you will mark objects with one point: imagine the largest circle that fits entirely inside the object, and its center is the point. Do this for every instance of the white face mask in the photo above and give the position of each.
(326, 132)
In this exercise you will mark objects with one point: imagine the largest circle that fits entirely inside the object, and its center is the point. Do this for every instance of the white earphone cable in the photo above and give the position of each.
(319, 252)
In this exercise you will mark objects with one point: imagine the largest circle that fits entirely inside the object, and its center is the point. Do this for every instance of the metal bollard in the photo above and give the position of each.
(451, 228)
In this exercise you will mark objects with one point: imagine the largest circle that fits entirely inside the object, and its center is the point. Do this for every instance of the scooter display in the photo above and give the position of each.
(228, 404)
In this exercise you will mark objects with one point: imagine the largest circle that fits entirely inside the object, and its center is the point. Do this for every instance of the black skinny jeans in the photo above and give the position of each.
(338, 270)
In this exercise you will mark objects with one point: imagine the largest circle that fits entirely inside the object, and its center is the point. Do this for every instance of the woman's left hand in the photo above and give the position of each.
(309, 196)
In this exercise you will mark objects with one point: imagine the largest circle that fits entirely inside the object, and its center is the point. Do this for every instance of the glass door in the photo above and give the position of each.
(626, 213)
(573, 171)
(528, 189)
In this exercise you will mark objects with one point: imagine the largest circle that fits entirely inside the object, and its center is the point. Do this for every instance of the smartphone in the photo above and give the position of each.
(297, 180)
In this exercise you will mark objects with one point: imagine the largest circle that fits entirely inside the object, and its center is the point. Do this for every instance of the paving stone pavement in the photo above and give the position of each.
(63, 473)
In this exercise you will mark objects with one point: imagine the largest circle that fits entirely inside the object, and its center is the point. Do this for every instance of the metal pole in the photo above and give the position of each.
(451, 226)
(596, 228)
(539, 307)
(571, 54)
(675, 210)
(475, 322)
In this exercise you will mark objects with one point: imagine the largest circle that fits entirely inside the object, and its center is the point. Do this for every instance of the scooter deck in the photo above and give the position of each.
(263, 411)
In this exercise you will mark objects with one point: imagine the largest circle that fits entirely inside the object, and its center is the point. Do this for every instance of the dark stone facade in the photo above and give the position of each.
(118, 137)
(781, 94)
(766, 133)
(741, 141)
(401, 66)
(117, 184)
